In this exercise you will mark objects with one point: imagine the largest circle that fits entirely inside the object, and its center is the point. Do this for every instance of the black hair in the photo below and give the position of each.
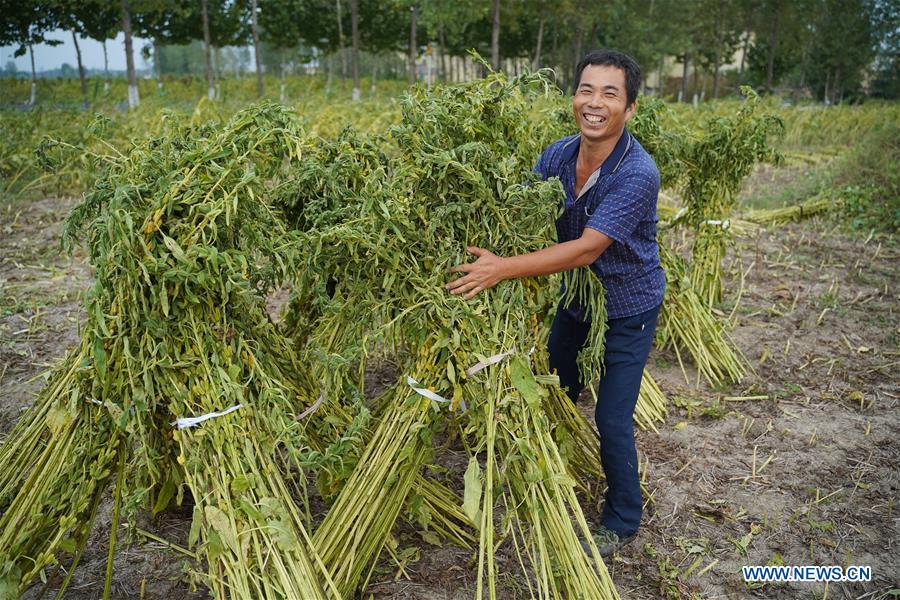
(613, 58)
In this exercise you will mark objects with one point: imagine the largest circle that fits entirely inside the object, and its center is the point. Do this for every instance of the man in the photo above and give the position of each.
(611, 186)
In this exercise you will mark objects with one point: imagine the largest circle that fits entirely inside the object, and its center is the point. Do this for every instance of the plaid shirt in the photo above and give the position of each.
(619, 200)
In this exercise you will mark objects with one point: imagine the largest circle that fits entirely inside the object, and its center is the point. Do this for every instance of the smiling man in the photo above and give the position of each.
(609, 222)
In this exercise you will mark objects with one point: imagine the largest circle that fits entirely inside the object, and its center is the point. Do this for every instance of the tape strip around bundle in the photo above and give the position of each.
(723, 224)
(493, 360)
(431, 395)
(312, 408)
(186, 422)
(425, 392)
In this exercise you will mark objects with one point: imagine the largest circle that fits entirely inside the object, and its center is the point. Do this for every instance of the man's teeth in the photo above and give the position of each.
(594, 119)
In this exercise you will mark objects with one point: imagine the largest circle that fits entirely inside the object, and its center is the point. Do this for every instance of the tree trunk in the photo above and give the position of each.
(327, 61)
(495, 37)
(207, 50)
(134, 98)
(281, 91)
(412, 44)
(217, 70)
(773, 45)
(660, 78)
(442, 66)
(260, 88)
(84, 86)
(354, 54)
(682, 95)
(33, 78)
(536, 61)
(838, 87)
(579, 40)
(554, 51)
(744, 52)
(374, 75)
(718, 58)
(105, 70)
(341, 52)
(157, 63)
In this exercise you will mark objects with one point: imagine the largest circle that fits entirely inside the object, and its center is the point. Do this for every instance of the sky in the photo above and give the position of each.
(52, 57)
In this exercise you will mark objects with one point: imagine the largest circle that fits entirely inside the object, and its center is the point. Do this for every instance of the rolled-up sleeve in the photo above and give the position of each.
(626, 205)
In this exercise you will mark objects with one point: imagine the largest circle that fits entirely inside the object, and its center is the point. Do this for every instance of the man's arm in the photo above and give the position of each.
(490, 269)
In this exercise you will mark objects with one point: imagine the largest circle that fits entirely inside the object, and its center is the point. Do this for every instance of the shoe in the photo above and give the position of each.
(608, 541)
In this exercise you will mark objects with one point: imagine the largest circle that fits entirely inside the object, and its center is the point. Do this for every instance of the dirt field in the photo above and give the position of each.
(799, 465)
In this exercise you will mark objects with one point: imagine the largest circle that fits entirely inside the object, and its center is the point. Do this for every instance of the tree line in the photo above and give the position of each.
(831, 50)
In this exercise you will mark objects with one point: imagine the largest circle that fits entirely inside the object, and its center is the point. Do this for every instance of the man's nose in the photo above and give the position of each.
(597, 101)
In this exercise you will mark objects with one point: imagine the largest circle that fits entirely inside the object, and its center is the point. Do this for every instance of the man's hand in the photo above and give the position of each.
(484, 273)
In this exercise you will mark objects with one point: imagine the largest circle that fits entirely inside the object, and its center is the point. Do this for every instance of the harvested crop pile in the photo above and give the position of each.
(184, 248)
(184, 390)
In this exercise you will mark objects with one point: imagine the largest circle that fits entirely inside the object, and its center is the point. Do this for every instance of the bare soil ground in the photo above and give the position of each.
(797, 465)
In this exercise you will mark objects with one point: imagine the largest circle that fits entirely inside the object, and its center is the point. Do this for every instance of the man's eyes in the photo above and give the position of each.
(588, 92)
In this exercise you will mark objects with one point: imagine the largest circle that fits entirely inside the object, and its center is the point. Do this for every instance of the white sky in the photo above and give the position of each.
(52, 57)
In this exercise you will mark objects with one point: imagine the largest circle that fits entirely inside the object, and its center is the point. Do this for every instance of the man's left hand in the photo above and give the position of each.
(486, 272)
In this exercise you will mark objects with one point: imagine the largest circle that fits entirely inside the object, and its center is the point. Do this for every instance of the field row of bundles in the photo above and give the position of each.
(185, 390)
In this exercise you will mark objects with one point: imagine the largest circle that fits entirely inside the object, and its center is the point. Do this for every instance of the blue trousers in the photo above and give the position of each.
(628, 342)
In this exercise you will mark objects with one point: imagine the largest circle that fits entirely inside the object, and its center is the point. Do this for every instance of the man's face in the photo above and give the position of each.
(600, 103)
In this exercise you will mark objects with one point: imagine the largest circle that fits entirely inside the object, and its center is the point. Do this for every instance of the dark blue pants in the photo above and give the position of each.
(628, 342)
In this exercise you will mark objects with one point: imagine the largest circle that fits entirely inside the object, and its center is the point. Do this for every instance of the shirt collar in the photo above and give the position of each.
(612, 162)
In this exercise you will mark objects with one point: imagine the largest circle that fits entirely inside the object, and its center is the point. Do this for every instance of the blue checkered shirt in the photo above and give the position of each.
(619, 200)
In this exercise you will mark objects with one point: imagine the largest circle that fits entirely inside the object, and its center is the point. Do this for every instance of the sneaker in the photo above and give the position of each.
(608, 541)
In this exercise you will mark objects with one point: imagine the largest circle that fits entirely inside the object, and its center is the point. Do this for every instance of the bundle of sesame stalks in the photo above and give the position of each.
(383, 219)
(185, 249)
(183, 390)
(688, 326)
(818, 204)
(720, 155)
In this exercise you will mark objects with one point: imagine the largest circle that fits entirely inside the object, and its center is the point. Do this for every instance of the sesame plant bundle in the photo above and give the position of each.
(818, 204)
(182, 383)
(721, 154)
(688, 326)
(458, 173)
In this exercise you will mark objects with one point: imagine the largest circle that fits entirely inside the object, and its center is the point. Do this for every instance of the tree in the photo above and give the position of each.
(100, 21)
(26, 23)
(542, 11)
(86, 18)
(495, 36)
(354, 56)
(886, 72)
(413, 43)
(217, 23)
(134, 98)
(254, 27)
(843, 48)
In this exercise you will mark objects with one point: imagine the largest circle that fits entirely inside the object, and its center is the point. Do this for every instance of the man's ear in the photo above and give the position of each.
(629, 110)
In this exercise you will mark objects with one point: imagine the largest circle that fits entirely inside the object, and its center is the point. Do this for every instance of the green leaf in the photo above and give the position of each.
(521, 376)
(165, 496)
(164, 299)
(240, 484)
(100, 358)
(220, 523)
(472, 494)
(431, 537)
(57, 418)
